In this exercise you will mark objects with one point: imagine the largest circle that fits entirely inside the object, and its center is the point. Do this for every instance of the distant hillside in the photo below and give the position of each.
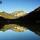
(23, 21)
(13, 15)
(6, 15)
(18, 14)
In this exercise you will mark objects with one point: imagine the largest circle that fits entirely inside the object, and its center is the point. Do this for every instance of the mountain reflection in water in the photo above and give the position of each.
(30, 21)
(12, 35)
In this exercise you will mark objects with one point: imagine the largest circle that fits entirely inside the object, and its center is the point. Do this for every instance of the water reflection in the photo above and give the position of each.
(30, 21)
(12, 35)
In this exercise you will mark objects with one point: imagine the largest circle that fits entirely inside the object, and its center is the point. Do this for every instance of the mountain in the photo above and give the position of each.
(6, 15)
(13, 15)
(18, 14)
(30, 21)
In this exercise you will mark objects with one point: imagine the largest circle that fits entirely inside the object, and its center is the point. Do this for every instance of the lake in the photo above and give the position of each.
(12, 35)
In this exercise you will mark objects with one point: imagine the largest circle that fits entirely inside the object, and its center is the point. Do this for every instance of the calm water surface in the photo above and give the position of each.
(12, 35)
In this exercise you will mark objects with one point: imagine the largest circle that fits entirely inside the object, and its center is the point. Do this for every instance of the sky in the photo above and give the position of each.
(16, 5)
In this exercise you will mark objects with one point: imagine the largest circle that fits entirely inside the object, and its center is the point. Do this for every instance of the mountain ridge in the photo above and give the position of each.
(31, 21)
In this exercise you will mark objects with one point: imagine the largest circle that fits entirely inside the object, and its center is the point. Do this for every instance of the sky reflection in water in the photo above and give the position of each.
(12, 35)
